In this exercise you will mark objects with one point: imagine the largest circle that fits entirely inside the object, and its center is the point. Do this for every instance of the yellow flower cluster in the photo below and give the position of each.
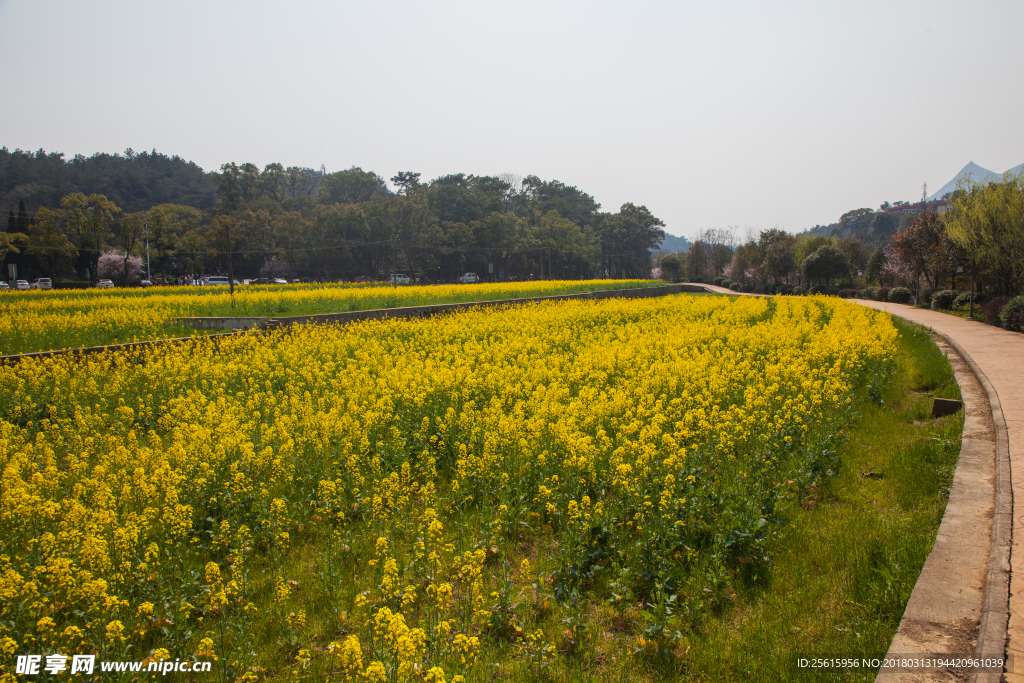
(56, 319)
(665, 424)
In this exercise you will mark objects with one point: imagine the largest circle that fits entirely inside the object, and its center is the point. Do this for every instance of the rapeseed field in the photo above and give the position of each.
(488, 495)
(42, 320)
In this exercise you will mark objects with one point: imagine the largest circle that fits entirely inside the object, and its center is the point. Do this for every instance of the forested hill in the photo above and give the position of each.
(133, 181)
(287, 222)
(872, 228)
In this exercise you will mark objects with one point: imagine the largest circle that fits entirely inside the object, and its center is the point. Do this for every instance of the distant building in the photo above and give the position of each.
(900, 208)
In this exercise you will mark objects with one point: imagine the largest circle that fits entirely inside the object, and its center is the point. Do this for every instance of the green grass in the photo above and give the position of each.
(846, 566)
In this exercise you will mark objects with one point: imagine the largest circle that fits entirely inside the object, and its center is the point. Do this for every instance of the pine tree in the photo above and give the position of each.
(22, 222)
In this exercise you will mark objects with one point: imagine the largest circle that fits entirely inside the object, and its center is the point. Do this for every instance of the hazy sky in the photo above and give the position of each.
(711, 114)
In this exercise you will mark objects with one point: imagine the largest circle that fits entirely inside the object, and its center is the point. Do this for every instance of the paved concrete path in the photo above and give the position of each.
(997, 356)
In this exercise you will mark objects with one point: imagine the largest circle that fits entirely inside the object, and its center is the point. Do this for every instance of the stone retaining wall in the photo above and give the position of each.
(227, 323)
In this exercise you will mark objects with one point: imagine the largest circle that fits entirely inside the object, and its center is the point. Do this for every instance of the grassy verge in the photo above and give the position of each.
(848, 563)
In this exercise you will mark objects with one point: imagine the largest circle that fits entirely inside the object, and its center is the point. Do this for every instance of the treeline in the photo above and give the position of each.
(295, 222)
(773, 260)
(981, 237)
(133, 181)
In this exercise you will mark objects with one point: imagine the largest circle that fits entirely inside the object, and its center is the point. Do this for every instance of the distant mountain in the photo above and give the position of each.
(674, 243)
(975, 173)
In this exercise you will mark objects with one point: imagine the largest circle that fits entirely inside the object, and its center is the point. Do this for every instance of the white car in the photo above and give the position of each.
(280, 281)
(4, 287)
(217, 280)
(105, 284)
(469, 278)
(21, 284)
(399, 279)
(41, 283)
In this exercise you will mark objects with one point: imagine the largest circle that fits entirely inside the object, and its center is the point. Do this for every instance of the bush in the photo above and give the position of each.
(748, 288)
(883, 294)
(699, 279)
(817, 289)
(848, 293)
(734, 286)
(832, 291)
(1012, 315)
(718, 281)
(965, 298)
(788, 289)
(992, 307)
(926, 296)
(944, 298)
(727, 282)
(900, 295)
(798, 291)
(869, 293)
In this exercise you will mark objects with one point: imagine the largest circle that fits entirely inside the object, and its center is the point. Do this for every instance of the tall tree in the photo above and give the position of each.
(47, 243)
(987, 221)
(89, 220)
(133, 226)
(826, 264)
(351, 186)
(405, 180)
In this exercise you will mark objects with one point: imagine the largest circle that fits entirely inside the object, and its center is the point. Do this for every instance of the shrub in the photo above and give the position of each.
(798, 291)
(944, 298)
(718, 281)
(817, 289)
(698, 279)
(748, 288)
(735, 286)
(882, 294)
(926, 296)
(727, 282)
(832, 291)
(869, 293)
(1012, 315)
(965, 298)
(992, 307)
(848, 293)
(900, 295)
(788, 289)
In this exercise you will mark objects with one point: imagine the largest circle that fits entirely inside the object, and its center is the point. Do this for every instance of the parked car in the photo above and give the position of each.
(4, 287)
(363, 278)
(217, 280)
(280, 281)
(105, 284)
(399, 279)
(145, 283)
(41, 283)
(21, 284)
(468, 279)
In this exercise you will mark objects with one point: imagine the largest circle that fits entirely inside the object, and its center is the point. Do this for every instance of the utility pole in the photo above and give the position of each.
(970, 313)
(149, 276)
(394, 265)
(231, 270)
